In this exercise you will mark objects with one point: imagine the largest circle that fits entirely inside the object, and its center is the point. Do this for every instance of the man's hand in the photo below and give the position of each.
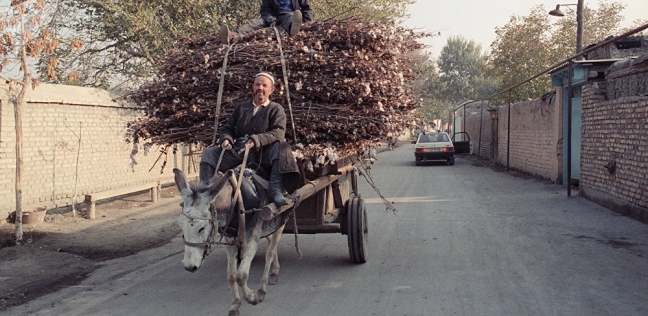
(249, 144)
(226, 145)
(273, 24)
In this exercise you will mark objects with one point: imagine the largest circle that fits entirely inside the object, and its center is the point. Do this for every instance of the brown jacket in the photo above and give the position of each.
(265, 127)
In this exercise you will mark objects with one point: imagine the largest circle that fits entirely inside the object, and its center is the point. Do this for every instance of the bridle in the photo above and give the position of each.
(215, 230)
(211, 240)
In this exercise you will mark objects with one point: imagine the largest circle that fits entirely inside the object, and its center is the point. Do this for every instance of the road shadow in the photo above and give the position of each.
(493, 165)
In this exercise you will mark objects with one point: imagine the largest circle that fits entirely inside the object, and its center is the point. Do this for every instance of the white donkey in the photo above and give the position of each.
(208, 211)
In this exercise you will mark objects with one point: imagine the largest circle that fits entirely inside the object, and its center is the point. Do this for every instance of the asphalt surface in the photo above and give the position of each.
(465, 240)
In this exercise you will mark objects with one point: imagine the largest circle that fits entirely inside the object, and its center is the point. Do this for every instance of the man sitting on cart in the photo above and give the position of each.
(260, 125)
(288, 14)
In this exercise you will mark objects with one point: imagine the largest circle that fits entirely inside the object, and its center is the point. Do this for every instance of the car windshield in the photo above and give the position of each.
(433, 138)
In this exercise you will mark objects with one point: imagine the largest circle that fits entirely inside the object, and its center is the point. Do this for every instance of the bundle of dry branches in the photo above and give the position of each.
(348, 82)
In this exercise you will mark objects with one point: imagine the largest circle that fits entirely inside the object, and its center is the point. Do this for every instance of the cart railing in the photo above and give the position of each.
(307, 190)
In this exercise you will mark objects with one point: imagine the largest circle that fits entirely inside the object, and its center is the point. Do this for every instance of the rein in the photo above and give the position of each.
(211, 240)
(236, 199)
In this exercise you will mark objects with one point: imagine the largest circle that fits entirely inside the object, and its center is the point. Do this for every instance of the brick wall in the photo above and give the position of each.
(479, 128)
(535, 135)
(614, 152)
(60, 122)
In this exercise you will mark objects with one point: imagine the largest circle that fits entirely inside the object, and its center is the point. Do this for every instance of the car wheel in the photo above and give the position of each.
(451, 161)
(418, 161)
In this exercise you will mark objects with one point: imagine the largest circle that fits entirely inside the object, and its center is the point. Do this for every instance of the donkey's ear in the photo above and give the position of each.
(218, 185)
(181, 181)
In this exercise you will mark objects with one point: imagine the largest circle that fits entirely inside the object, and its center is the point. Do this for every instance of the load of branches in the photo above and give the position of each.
(347, 82)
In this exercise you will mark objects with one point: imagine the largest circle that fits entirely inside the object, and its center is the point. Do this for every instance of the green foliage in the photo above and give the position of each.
(527, 45)
(428, 88)
(462, 66)
(460, 76)
(522, 48)
(124, 40)
(597, 25)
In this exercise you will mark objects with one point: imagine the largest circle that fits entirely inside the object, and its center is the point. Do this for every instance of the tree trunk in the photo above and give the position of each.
(19, 163)
(20, 100)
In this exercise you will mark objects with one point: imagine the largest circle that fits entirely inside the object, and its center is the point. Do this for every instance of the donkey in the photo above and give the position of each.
(209, 210)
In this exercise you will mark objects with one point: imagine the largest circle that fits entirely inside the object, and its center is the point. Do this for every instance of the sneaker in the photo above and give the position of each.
(296, 22)
(225, 34)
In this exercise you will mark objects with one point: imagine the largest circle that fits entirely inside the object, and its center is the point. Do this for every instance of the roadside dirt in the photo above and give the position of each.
(63, 250)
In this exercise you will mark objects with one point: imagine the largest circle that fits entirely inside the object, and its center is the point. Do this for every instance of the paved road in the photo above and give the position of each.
(466, 240)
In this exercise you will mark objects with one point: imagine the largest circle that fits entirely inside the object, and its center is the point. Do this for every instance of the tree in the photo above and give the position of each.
(522, 48)
(458, 75)
(527, 45)
(428, 87)
(597, 25)
(126, 39)
(462, 66)
(25, 37)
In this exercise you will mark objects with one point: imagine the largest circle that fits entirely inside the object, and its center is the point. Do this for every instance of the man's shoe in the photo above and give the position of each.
(275, 192)
(296, 22)
(225, 34)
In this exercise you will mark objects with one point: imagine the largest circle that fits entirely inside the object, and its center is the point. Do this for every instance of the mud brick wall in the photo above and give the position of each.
(614, 153)
(535, 135)
(478, 123)
(621, 49)
(59, 123)
(627, 78)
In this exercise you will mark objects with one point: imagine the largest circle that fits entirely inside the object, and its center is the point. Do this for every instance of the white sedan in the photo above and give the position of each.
(434, 146)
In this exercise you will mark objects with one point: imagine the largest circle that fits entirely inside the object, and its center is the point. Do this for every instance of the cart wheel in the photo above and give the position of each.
(357, 231)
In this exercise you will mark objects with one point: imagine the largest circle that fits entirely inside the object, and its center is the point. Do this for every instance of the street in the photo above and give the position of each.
(465, 240)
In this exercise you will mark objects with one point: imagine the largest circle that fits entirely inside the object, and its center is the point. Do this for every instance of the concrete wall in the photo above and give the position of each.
(60, 122)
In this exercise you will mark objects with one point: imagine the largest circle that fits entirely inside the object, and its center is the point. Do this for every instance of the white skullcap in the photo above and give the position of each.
(267, 75)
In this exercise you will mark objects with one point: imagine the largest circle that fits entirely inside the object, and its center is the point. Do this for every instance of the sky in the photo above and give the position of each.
(477, 19)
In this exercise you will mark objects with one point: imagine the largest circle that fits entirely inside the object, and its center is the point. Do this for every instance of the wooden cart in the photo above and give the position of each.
(329, 202)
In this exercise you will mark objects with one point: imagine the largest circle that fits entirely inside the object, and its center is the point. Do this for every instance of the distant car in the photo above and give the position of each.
(434, 146)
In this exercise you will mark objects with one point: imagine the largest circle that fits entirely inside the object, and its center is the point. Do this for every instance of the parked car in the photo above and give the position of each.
(434, 146)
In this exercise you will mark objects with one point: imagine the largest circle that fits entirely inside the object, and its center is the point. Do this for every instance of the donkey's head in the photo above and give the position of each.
(198, 222)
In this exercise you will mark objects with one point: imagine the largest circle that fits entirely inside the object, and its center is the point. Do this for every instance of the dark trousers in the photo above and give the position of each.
(263, 158)
(283, 20)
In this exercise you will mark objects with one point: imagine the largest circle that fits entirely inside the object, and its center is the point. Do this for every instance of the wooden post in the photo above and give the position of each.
(155, 194)
(285, 77)
(219, 97)
(91, 208)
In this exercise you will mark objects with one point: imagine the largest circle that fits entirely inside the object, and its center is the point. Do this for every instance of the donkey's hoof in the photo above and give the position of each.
(261, 295)
(273, 279)
(233, 313)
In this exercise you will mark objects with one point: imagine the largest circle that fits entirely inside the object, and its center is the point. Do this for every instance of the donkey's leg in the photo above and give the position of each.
(232, 252)
(272, 258)
(243, 272)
